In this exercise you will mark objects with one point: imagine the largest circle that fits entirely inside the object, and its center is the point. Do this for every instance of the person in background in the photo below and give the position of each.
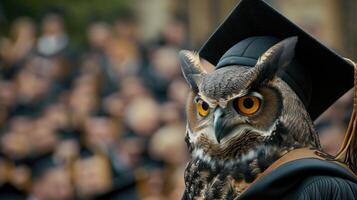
(53, 39)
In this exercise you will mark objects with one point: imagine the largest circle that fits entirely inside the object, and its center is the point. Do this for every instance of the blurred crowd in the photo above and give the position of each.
(105, 122)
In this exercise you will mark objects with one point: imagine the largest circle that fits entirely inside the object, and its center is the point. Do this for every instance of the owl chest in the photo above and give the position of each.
(205, 182)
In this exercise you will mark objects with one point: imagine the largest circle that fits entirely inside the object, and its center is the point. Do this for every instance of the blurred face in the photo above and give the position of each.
(164, 144)
(52, 25)
(170, 113)
(20, 177)
(178, 92)
(34, 80)
(178, 184)
(7, 93)
(67, 151)
(83, 99)
(132, 87)
(142, 116)
(155, 183)
(175, 33)
(166, 63)
(331, 137)
(92, 176)
(130, 150)
(125, 28)
(114, 105)
(57, 185)
(23, 29)
(22, 124)
(57, 115)
(98, 34)
(16, 145)
(101, 132)
(43, 137)
(4, 170)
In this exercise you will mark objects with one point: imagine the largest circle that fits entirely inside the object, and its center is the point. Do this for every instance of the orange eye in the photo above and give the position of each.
(248, 105)
(202, 108)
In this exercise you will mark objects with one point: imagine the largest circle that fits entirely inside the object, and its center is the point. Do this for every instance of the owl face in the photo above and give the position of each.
(237, 109)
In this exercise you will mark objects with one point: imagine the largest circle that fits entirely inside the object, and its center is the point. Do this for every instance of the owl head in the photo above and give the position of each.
(237, 109)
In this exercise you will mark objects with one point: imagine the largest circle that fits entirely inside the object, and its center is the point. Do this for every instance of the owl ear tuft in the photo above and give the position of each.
(275, 58)
(191, 68)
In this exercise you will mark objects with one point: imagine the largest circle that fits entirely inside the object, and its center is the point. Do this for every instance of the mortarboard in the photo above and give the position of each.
(317, 74)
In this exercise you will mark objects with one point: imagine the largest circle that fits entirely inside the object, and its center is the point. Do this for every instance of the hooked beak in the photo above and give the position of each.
(218, 124)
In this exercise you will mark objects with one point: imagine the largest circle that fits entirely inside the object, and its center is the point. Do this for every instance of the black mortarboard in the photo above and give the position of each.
(318, 75)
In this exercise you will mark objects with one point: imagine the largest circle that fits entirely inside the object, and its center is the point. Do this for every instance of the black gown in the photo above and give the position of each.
(305, 179)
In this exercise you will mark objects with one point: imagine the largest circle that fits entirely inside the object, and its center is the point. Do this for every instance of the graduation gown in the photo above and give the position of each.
(304, 174)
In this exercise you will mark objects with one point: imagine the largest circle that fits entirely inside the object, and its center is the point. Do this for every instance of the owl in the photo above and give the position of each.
(240, 120)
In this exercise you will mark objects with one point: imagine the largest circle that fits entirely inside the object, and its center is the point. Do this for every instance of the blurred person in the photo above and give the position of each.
(178, 92)
(142, 116)
(83, 99)
(33, 84)
(19, 46)
(61, 73)
(125, 26)
(170, 113)
(53, 39)
(151, 185)
(4, 114)
(4, 169)
(331, 125)
(90, 64)
(101, 132)
(125, 53)
(98, 66)
(174, 34)
(43, 138)
(164, 68)
(177, 184)
(331, 136)
(50, 180)
(164, 145)
(20, 175)
(165, 62)
(123, 56)
(129, 154)
(98, 34)
(68, 148)
(8, 92)
(15, 139)
(92, 175)
(57, 115)
(7, 189)
(132, 87)
(114, 105)
(15, 145)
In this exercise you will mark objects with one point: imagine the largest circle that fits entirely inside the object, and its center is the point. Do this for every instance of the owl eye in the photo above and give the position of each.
(202, 108)
(248, 105)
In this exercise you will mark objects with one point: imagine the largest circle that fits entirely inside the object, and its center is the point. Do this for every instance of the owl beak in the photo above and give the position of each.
(218, 124)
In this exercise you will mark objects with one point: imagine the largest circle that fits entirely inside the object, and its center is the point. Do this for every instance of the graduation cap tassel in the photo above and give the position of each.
(348, 150)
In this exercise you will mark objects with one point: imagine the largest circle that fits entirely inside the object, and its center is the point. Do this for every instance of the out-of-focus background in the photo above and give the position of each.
(92, 99)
